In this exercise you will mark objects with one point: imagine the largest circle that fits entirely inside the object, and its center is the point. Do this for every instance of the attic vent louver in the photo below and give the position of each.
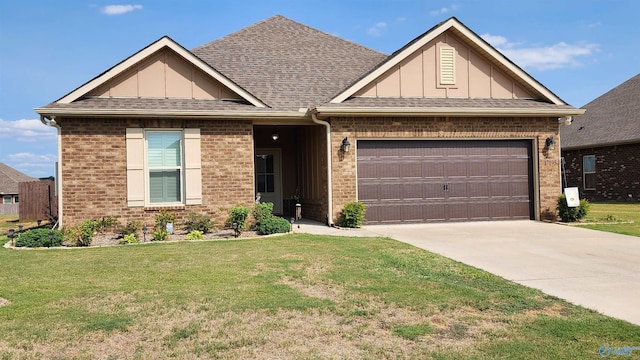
(447, 66)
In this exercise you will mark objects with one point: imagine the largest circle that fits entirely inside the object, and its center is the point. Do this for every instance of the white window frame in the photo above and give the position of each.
(147, 169)
(585, 173)
(5, 197)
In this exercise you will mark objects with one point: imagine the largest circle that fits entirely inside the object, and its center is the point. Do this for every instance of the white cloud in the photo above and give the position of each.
(120, 9)
(377, 29)
(32, 160)
(444, 10)
(542, 57)
(32, 164)
(26, 130)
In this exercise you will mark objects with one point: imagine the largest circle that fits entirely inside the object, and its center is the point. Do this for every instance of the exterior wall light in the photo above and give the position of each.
(346, 145)
(550, 143)
(275, 135)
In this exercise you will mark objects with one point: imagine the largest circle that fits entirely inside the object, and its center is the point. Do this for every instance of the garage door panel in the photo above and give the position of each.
(444, 180)
(368, 191)
(431, 169)
(433, 191)
(411, 169)
(434, 212)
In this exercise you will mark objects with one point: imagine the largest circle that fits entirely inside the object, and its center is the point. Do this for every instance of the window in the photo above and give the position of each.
(265, 176)
(15, 199)
(6, 199)
(589, 171)
(164, 166)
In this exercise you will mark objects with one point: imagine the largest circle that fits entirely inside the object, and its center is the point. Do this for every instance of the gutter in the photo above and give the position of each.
(440, 111)
(169, 113)
(329, 179)
(51, 121)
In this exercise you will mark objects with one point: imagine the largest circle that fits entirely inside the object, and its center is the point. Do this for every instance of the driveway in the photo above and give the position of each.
(595, 269)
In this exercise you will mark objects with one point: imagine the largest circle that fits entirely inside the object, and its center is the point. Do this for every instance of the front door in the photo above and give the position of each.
(268, 177)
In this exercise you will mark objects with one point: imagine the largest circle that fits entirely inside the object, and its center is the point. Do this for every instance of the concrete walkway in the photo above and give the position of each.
(595, 269)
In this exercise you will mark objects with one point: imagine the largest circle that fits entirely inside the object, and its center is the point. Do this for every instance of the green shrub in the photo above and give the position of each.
(262, 212)
(71, 235)
(132, 227)
(238, 214)
(107, 223)
(129, 239)
(352, 215)
(199, 222)
(160, 235)
(164, 217)
(87, 230)
(194, 235)
(39, 238)
(274, 225)
(571, 214)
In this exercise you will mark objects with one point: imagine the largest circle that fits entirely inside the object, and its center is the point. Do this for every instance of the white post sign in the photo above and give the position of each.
(573, 198)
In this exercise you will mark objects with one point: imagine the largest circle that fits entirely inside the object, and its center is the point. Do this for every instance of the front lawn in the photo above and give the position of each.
(293, 296)
(621, 218)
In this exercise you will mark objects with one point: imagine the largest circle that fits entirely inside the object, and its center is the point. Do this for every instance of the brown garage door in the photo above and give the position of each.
(404, 181)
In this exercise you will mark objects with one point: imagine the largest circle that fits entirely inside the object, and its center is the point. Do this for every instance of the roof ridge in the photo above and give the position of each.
(281, 17)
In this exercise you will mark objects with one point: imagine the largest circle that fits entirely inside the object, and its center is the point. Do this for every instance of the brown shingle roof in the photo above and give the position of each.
(613, 118)
(449, 103)
(9, 179)
(132, 103)
(288, 65)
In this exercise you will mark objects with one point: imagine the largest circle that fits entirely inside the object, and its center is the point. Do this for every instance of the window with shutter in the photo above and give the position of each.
(163, 167)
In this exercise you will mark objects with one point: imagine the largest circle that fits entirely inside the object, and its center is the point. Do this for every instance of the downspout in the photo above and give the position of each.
(52, 122)
(329, 179)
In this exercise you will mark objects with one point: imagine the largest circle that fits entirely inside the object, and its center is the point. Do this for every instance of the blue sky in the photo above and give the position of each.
(579, 49)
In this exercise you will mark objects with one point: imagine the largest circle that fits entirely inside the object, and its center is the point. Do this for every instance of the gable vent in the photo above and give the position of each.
(447, 66)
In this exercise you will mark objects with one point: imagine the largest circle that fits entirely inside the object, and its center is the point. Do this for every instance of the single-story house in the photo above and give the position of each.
(601, 150)
(10, 178)
(444, 129)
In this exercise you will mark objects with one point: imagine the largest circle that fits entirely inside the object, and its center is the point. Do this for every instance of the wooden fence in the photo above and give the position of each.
(38, 200)
(7, 209)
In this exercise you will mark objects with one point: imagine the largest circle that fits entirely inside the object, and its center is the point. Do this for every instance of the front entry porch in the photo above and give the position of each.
(290, 166)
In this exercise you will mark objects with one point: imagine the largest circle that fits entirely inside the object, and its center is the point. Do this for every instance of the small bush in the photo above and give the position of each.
(352, 215)
(262, 212)
(39, 238)
(571, 214)
(194, 235)
(129, 239)
(163, 218)
(199, 222)
(70, 235)
(274, 225)
(107, 223)
(132, 227)
(160, 235)
(87, 230)
(238, 214)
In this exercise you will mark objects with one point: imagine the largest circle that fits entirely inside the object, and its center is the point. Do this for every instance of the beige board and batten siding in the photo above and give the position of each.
(164, 74)
(419, 75)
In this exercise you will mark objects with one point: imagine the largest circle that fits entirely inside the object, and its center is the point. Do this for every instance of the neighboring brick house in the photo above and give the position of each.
(444, 129)
(10, 178)
(601, 149)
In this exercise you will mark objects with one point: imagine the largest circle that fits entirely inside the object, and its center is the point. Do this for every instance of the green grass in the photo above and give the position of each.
(294, 296)
(624, 217)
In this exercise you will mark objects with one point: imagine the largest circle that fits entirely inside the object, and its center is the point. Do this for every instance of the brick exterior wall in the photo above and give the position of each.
(617, 172)
(94, 183)
(546, 188)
